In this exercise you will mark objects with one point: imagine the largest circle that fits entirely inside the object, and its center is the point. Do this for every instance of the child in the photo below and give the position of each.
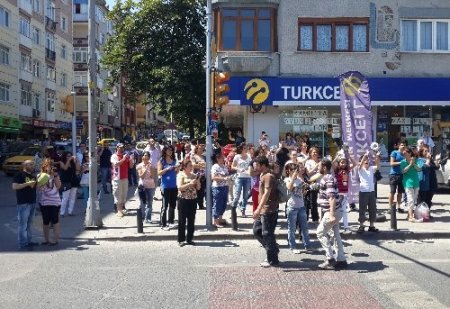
(367, 197)
(342, 173)
(296, 211)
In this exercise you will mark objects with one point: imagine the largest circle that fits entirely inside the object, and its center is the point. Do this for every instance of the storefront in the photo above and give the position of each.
(9, 127)
(312, 106)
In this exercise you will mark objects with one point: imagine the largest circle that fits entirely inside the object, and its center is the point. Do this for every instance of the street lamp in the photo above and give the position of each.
(74, 119)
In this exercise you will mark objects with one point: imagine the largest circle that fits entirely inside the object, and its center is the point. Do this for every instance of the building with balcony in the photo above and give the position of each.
(293, 51)
(148, 122)
(35, 68)
(108, 103)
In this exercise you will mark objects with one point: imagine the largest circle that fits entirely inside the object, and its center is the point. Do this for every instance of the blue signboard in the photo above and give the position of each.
(319, 91)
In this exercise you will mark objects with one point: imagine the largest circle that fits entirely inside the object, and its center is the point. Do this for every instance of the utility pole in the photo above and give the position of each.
(93, 217)
(208, 115)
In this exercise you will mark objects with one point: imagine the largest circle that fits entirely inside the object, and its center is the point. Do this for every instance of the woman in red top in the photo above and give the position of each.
(342, 170)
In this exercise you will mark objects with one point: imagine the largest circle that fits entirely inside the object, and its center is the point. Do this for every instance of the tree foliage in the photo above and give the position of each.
(158, 47)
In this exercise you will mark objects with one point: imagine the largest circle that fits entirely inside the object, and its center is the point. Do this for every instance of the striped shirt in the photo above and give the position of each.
(328, 189)
(50, 194)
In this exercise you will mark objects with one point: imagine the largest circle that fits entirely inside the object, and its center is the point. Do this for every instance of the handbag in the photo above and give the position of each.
(377, 175)
(282, 192)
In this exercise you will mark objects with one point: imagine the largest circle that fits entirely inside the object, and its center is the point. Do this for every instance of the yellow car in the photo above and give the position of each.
(109, 141)
(14, 164)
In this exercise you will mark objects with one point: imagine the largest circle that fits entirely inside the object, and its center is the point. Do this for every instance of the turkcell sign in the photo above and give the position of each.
(296, 91)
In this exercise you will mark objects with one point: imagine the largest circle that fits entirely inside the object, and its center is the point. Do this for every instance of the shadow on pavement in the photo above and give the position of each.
(62, 245)
(216, 244)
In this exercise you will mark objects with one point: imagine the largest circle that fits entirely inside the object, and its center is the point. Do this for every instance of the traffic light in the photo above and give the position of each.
(221, 88)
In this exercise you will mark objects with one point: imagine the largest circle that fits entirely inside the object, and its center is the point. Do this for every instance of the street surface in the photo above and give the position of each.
(115, 272)
(224, 274)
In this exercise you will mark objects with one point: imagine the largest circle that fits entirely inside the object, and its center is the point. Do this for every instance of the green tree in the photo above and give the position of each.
(158, 48)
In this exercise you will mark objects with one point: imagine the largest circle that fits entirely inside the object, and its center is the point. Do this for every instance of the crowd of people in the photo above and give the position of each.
(316, 187)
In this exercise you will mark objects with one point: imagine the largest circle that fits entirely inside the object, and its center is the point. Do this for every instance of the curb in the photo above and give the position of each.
(387, 235)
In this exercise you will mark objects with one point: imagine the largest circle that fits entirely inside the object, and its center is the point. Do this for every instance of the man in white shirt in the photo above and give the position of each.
(427, 140)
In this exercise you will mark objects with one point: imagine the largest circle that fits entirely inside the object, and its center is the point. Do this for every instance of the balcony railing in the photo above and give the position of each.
(50, 54)
(50, 24)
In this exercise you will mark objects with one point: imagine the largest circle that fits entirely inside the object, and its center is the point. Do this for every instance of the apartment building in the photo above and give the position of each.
(108, 112)
(35, 68)
(286, 56)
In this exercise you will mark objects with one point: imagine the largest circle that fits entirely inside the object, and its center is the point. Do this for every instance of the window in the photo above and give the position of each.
(50, 42)
(4, 55)
(80, 79)
(4, 92)
(37, 6)
(80, 8)
(51, 73)
(333, 35)
(50, 96)
(251, 29)
(102, 38)
(25, 94)
(37, 100)
(36, 68)
(63, 51)
(50, 12)
(36, 35)
(80, 54)
(64, 23)
(4, 17)
(24, 27)
(64, 79)
(99, 15)
(425, 35)
(25, 63)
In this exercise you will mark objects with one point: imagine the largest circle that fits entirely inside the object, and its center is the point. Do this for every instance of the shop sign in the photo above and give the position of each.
(422, 121)
(400, 121)
(10, 122)
(297, 91)
(310, 113)
(45, 124)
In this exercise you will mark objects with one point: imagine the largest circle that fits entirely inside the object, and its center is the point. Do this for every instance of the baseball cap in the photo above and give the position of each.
(119, 145)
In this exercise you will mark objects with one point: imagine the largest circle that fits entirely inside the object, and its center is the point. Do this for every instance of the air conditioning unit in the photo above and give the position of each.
(36, 113)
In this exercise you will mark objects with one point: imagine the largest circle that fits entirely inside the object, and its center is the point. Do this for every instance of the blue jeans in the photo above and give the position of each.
(147, 207)
(85, 190)
(132, 176)
(297, 216)
(241, 185)
(106, 176)
(219, 200)
(25, 215)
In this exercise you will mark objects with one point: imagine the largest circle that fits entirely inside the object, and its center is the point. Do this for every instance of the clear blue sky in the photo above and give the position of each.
(110, 3)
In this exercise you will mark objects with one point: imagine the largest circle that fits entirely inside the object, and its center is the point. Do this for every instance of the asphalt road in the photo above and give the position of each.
(216, 274)
(386, 274)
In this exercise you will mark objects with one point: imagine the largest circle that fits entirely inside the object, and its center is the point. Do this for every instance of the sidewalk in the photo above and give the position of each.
(125, 229)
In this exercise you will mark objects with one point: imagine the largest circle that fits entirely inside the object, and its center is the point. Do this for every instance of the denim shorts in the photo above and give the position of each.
(396, 183)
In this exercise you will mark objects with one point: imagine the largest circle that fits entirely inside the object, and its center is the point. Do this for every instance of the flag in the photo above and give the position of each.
(356, 121)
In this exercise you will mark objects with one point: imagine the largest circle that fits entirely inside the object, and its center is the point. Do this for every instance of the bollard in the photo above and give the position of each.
(234, 224)
(140, 225)
(394, 216)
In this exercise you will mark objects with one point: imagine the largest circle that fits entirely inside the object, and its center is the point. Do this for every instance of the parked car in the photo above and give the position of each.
(110, 141)
(11, 149)
(14, 164)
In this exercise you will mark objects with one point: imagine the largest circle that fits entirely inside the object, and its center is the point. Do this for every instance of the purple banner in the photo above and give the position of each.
(356, 121)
